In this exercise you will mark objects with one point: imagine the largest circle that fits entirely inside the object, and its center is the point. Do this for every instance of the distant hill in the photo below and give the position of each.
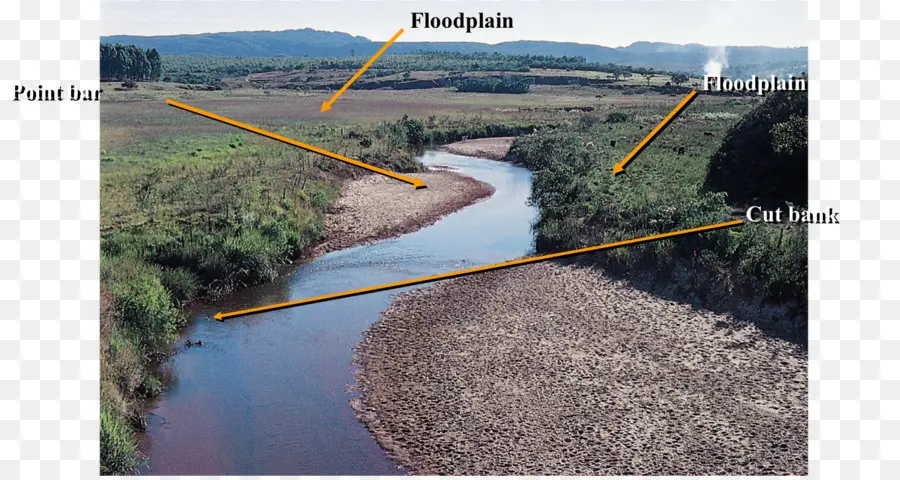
(315, 43)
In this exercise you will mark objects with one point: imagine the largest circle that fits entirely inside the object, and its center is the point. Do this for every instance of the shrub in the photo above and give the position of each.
(504, 84)
(617, 117)
(250, 257)
(144, 308)
(404, 133)
(181, 283)
(764, 157)
(579, 205)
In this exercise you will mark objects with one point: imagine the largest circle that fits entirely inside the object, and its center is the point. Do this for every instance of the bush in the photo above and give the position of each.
(764, 158)
(580, 205)
(504, 84)
(617, 117)
(145, 309)
(405, 133)
(118, 449)
(183, 284)
(250, 256)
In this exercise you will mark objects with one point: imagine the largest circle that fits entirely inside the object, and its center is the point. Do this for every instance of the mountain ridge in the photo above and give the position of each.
(317, 43)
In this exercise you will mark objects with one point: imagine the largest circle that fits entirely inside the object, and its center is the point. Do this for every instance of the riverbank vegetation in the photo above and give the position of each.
(193, 209)
(198, 216)
(759, 272)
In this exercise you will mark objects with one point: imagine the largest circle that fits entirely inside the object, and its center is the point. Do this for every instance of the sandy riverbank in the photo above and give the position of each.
(548, 369)
(376, 207)
(494, 148)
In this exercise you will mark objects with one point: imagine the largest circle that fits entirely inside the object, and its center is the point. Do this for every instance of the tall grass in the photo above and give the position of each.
(185, 218)
(118, 450)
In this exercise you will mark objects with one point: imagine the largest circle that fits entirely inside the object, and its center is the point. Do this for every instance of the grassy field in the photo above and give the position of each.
(194, 208)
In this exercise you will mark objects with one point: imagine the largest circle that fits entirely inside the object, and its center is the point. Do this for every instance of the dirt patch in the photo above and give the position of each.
(376, 207)
(494, 148)
(557, 370)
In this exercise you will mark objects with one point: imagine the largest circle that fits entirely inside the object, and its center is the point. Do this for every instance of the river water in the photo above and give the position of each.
(267, 394)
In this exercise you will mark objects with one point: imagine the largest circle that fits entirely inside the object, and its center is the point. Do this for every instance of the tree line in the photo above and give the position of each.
(210, 69)
(128, 62)
(504, 84)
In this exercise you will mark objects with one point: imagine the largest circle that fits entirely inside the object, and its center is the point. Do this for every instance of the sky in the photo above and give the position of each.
(602, 22)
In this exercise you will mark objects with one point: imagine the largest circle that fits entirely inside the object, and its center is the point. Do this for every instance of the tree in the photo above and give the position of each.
(764, 157)
(616, 72)
(679, 78)
(129, 63)
(155, 64)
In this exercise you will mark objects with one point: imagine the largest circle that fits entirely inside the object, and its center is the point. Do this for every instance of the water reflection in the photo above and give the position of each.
(267, 393)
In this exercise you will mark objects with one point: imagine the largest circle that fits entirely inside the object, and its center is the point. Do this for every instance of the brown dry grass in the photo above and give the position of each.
(141, 115)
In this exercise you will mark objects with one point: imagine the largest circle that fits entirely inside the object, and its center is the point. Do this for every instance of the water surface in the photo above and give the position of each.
(268, 394)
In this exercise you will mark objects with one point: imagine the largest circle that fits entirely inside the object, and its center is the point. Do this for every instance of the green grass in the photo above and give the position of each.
(118, 450)
(196, 214)
(192, 209)
(581, 204)
(189, 216)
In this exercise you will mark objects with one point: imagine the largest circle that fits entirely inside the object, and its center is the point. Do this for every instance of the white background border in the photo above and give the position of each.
(49, 241)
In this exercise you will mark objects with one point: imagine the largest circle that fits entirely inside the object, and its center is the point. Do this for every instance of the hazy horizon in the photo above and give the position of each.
(778, 23)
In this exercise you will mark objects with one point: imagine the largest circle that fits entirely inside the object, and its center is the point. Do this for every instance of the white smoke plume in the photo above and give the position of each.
(718, 61)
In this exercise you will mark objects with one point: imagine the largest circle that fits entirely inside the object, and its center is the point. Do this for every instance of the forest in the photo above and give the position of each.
(128, 62)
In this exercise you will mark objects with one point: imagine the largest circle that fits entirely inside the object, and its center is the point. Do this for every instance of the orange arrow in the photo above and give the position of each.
(460, 273)
(326, 105)
(416, 182)
(620, 167)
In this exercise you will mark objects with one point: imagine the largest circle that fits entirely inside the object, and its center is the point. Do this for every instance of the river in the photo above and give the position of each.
(267, 394)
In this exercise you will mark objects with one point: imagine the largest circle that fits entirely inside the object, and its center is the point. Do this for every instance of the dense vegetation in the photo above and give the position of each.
(128, 62)
(210, 70)
(580, 204)
(200, 215)
(190, 217)
(504, 84)
(764, 158)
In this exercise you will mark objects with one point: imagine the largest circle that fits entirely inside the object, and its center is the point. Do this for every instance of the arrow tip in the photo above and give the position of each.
(218, 317)
(418, 183)
(325, 107)
(618, 168)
